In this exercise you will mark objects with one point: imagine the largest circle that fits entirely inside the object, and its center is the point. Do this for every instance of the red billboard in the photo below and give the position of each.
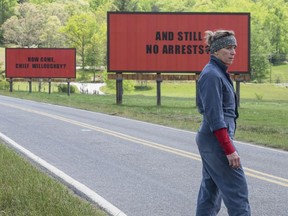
(171, 42)
(40, 63)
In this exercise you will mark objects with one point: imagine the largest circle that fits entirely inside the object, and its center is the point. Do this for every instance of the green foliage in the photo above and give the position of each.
(6, 9)
(79, 30)
(56, 17)
(51, 36)
(276, 22)
(125, 5)
(63, 88)
(41, 1)
(83, 76)
(279, 58)
(142, 86)
(83, 24)
(259, 63)
(128, 85)
(4, 85)
(175, 6)
(74, 7)
(111, 84)
(24, 28)
(97, 49)
(95, 4)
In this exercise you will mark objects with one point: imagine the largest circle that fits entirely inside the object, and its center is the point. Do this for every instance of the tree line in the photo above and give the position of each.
(83, 24)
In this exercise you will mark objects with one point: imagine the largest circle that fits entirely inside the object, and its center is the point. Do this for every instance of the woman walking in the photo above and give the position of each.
(222, 176)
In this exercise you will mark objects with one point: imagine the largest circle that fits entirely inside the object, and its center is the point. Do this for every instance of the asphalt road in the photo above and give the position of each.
(143, 169)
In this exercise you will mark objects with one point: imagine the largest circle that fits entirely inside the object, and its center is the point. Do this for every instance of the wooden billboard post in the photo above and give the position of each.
(49, 86)
(30, 85)
(238, 92)
(11, 84)
(158, 81)
(238, 79)
(119, 88)
(68, 87)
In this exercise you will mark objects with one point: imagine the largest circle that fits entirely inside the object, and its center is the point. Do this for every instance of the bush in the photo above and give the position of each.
(142, 88)
(4, 85)
(64, 88)
(278, 58)
(84, 76)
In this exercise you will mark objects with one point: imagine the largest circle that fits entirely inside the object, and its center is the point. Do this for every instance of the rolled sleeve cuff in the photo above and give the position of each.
(217, 125)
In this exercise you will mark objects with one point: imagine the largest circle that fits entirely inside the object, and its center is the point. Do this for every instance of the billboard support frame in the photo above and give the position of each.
(238, 78)
(30, 80)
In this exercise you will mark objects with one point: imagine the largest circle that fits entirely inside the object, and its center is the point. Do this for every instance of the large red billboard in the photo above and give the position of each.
(171, 42)
(40, 63)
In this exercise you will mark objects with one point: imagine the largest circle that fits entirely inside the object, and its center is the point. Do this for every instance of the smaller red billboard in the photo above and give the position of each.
(40, 63)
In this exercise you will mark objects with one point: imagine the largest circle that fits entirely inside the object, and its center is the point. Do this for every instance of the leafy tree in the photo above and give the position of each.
(96, 50)
(55, 18)
(125, 5)
(95, 4)
(6, 11)
(41, 1)
(75, 7)
(79, 30)
(276, 24)
(260, 43)
(56, 9)
(259, 54)
(176, 6)
(147, 6)
(25, 27)
(51, 36)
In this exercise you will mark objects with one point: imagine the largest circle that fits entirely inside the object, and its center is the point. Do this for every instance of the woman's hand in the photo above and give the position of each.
(234, 160)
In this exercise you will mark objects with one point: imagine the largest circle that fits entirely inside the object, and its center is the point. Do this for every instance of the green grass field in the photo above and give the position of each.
(279, 73)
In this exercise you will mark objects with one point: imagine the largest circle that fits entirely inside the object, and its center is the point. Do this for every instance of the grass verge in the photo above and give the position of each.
(26, 191)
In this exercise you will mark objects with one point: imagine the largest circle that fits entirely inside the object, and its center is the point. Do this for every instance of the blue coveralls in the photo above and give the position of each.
(216, 101)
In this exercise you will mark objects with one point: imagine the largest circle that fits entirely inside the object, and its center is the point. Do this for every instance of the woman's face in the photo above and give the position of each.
(226, 55)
